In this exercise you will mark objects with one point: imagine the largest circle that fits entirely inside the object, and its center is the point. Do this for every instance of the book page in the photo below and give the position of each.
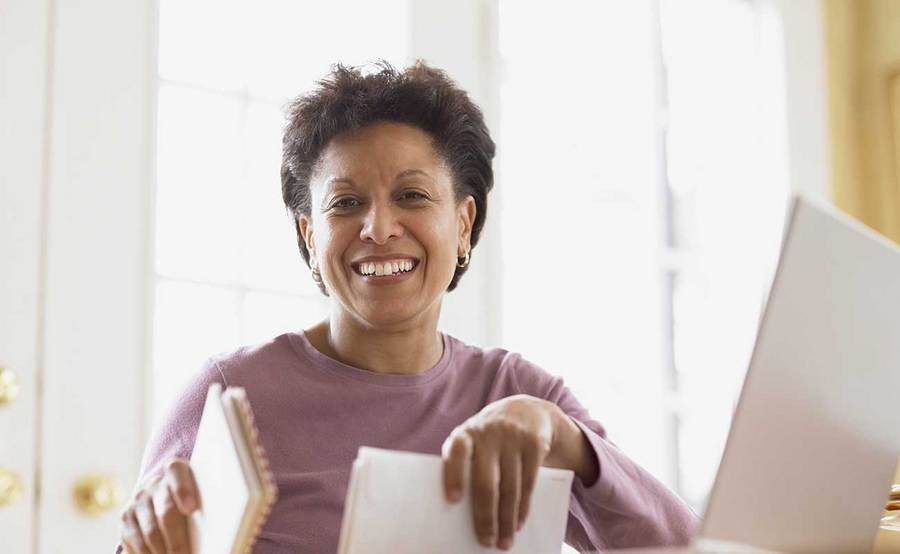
(396, 504)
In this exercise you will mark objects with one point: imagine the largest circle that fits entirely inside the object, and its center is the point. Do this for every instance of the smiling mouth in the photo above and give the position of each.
(386, 268)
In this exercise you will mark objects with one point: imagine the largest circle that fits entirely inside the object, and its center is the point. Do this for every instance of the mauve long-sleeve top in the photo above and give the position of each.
(314, 413)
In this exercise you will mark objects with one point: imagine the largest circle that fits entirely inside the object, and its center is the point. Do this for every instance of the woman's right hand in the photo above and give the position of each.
(156, 522)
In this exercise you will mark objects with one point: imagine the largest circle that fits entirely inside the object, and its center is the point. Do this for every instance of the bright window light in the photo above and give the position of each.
(227, 267)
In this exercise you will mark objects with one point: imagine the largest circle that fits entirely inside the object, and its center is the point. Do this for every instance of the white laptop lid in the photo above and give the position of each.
(816, 435)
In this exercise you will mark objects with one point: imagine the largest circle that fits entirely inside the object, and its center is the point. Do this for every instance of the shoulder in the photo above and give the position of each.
(248, 366)
(175, 429)
(252, 362)
(510, 370)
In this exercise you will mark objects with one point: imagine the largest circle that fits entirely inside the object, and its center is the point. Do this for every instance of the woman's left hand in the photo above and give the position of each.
(502, 447)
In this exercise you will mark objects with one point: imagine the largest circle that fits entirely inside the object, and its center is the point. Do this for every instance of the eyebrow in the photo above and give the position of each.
(409, 172)
(345, 180)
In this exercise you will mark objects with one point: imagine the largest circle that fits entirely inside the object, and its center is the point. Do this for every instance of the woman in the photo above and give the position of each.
(386, 176)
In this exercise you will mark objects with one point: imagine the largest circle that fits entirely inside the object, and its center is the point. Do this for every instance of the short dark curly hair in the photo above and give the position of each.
(348, 99)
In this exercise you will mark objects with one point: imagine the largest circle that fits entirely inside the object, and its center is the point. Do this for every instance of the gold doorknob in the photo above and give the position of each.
(96, 493)
(10, 487)
(9, 386)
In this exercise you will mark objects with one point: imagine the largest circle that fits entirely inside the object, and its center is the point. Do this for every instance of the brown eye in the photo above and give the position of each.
(345, 203)
(413, 195)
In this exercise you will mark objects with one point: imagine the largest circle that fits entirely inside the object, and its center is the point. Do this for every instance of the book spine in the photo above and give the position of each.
(270, 493)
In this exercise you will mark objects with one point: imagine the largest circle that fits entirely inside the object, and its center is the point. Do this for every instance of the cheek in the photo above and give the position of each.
(327, 240)
(442, 235)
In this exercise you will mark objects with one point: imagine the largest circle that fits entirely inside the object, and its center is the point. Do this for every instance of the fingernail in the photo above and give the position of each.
(505, 543)
(520, 524)
(487, 541)
(455, 494)
(189, 503)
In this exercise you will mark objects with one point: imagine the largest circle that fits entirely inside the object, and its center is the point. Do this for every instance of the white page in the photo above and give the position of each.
(395, 504)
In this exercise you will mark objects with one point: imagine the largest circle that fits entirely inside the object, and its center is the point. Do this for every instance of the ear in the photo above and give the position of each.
(466, 211)
(305, 230)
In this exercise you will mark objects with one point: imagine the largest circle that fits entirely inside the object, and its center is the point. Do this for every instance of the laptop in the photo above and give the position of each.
(815, 439)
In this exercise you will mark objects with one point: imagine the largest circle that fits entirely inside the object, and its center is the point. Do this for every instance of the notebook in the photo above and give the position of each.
(237, 490)
(395, 504)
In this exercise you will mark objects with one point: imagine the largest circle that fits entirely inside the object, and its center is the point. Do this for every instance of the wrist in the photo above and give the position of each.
(572, 449)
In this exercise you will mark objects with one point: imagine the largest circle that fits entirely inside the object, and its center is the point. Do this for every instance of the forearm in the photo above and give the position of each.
(626, 506)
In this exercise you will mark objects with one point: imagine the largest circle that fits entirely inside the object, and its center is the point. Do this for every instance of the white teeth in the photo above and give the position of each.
(385, 269)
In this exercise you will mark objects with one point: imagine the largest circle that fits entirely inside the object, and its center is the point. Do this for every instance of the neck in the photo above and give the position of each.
(407, 349)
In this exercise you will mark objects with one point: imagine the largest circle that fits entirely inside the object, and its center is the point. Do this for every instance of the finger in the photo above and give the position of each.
(172, 522)
(146, 518)
(485, 479)
(531, 462)
(132, 539)
(457, 454)
(508, 503)
(183, 486)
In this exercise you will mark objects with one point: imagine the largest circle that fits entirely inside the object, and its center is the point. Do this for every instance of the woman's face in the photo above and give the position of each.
(385, 228)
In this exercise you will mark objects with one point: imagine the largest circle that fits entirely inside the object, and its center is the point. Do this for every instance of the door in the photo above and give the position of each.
(75, 146)
(23, 33)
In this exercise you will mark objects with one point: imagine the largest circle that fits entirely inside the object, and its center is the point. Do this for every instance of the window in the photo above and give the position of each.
(578, 171)
(642, 199)
(226, 263)
(725, 197)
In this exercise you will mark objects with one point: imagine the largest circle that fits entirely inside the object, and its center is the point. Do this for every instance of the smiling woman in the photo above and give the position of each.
(386, 176)
(444, 131)
(382, 197)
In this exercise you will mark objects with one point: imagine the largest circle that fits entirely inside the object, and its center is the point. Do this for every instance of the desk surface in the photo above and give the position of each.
(887, 541)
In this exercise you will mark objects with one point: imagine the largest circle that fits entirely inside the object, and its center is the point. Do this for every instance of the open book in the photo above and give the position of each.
(237, 490)
(395, 504)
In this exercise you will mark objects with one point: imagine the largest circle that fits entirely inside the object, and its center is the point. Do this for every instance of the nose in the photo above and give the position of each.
(380, 225)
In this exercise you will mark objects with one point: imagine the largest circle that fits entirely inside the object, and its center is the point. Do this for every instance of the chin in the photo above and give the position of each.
(389, 314)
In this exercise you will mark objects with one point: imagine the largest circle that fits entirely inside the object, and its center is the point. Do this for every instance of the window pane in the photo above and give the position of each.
(292, 44)
(191, 323)
(579, 176)
(274, 49)
(269, 255)
(726, 201)
(201, 42)
(198, 170)
(702, 432)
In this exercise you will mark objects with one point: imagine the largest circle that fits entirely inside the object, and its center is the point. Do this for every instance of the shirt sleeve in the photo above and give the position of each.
(626, 506)
(174, 435)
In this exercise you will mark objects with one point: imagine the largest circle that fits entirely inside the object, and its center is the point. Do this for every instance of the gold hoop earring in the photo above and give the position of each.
(314, 269)
(464, 262)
